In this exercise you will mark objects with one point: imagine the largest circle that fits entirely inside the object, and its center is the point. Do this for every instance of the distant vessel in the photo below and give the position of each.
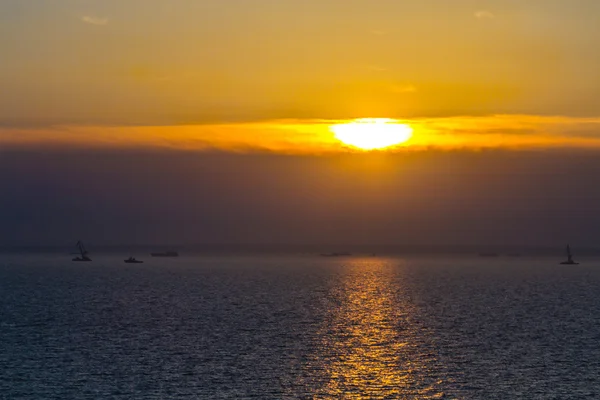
(132, 260)
(165, 254)
(335, 254)
(83, 253)
(569, 258)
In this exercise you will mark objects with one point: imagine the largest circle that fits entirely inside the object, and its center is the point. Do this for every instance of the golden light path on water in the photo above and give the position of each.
(372, 348)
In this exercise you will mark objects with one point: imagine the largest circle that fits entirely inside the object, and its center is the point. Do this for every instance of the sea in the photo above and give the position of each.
(299, 327)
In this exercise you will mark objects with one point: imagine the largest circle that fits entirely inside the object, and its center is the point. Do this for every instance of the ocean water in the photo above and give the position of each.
(298, 328)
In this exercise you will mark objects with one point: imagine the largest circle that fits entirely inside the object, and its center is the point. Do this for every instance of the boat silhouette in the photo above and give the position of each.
(335, 254)
(569, 258)
(132, 260)
(82, 251)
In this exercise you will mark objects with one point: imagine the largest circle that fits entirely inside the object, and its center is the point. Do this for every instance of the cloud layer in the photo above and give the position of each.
(515, 132)
(94, 20)
(484, 14)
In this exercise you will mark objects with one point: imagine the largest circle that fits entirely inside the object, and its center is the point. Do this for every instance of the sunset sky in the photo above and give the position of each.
(498, 94)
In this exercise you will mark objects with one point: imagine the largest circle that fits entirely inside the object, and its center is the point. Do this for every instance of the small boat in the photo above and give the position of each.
(83, 252)
(165, 254)
(132, 260)
(569, 258)
(336, 254)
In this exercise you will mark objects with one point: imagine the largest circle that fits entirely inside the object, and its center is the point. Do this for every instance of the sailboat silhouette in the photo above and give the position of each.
(569, 258)
(83, 253)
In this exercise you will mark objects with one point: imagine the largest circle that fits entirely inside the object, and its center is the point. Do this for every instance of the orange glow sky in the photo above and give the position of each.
(191, 74)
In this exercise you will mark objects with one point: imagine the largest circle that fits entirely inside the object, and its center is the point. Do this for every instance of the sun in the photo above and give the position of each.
(372, 133)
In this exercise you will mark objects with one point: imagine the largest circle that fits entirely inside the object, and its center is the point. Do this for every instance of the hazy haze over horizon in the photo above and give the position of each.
(434, 198)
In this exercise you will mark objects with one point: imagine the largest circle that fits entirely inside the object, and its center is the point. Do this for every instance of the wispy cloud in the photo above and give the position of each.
(408, 88)
(94, 20)
(484, 14)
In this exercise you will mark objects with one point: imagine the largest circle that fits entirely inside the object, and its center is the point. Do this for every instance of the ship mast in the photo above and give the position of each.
(81, 248)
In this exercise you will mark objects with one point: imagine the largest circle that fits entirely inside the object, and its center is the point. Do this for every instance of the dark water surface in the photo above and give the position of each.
(298, 328)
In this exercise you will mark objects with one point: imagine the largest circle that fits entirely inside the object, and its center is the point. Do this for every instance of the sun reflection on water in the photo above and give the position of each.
(371, 348)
